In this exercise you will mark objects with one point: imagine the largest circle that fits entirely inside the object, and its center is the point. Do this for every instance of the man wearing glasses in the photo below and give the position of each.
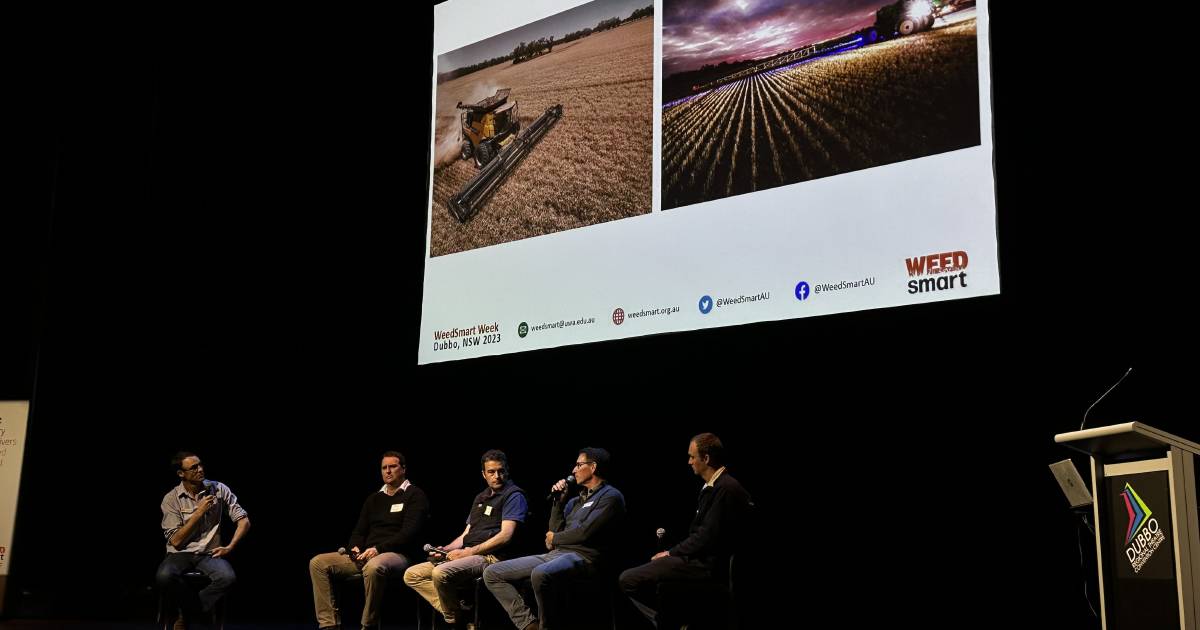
(191, 523)
(491, 523)
(580, 534)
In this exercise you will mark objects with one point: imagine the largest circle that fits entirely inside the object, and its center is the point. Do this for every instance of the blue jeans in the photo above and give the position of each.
(551, 573)
(170, 580)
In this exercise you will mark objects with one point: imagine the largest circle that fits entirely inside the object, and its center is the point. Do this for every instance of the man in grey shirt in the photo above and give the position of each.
(191, 523)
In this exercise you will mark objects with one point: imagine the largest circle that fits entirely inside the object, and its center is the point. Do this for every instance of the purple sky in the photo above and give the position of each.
(696, 32)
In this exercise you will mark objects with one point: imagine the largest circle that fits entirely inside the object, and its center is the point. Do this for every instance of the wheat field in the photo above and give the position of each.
(594, 165)
(885, 103)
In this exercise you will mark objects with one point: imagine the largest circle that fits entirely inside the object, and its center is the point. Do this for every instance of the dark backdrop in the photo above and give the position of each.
(221, 250)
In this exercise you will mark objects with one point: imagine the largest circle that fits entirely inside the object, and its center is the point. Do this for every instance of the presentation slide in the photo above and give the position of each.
(617, 168)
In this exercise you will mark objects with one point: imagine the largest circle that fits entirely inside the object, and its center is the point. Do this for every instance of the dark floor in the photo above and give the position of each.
(48, 624)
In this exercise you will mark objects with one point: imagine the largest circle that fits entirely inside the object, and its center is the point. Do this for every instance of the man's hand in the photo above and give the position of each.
(559, 486)
(371, 552)
(222, 551)
(660, 555)
(460, 553)
(550, 540)
(205, 503)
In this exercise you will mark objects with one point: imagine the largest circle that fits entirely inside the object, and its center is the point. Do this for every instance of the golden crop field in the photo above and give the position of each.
(892, 101)
(594, 165)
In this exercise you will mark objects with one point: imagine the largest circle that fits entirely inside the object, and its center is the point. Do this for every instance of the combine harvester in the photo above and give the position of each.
(906, 17)
(491, 133)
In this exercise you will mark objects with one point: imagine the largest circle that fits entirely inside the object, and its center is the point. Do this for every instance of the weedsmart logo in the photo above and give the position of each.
(1143, 535)
(946, 271)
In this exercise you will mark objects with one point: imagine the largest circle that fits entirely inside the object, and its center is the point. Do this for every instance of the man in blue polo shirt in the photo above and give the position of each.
(491, 524)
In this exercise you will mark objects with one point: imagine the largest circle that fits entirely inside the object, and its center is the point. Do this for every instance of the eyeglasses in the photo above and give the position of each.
(578, 464)
(198, 466)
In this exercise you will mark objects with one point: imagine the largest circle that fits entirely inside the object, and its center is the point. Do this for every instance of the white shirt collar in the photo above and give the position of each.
(404, 486)
(714, 477)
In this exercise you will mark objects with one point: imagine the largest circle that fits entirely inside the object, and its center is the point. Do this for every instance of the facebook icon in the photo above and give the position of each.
(802, 291)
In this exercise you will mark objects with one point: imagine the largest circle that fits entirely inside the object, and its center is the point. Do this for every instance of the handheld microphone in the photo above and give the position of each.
(557, 495)
(353, 557)
(431, 550)
(660, 532)
(207, 490)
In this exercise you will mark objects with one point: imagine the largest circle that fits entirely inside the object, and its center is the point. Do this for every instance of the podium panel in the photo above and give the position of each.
(1138, 539)
(1147, 525)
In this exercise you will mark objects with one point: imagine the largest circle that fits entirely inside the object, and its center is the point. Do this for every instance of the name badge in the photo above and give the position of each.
(487, 511)
(589, 503)
(397, 507)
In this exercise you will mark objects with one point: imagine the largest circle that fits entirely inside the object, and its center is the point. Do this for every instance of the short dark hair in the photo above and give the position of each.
(177, 459)
(598, 455)
(709, 444)
(397, 454)
(494, 455)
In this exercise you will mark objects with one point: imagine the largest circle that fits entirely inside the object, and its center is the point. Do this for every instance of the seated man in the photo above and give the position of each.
(705, 552)
(579, 535)
(191, 521)
(493, 519)
(382, 543)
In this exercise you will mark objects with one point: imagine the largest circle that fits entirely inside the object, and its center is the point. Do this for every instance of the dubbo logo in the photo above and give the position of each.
(1142, 535)
(945, 271)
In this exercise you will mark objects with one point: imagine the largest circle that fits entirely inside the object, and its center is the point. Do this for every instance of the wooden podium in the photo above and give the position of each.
(1147, 525)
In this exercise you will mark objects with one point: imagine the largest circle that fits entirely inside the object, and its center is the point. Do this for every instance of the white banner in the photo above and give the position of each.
(14, 417)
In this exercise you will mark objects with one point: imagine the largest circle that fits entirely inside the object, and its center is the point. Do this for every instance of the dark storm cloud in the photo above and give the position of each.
(696, 32)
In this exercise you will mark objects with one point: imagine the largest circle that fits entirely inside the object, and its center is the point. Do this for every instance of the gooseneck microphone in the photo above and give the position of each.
(1089, 409)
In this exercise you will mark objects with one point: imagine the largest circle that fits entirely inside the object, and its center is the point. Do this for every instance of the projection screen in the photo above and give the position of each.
(616, 168)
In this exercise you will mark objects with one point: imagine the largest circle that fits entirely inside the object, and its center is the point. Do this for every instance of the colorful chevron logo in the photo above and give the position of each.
(1137, 510)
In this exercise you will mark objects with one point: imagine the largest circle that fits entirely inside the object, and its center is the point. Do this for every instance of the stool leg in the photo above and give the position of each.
(478, 603)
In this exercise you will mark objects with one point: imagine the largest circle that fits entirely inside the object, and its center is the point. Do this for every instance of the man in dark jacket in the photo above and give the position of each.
(382, 544)
(711, 537)
(580, 534)
(491, 525)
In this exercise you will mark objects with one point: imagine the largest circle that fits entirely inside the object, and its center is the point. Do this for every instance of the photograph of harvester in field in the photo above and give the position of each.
(492, 136)
(765, 93)
(545, 128)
